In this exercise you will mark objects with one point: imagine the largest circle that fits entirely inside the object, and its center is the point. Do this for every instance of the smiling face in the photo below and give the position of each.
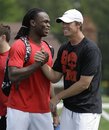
(70, 29)
(41, 24)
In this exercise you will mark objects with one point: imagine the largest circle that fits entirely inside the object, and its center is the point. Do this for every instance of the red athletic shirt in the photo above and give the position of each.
(33, 94)
(3, 98)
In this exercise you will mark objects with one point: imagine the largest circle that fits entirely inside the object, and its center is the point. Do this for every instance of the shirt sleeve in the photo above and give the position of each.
(91, 62)
(17, 54)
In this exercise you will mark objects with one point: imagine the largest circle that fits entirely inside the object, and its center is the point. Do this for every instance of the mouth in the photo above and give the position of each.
(65, 31)
(47, 30)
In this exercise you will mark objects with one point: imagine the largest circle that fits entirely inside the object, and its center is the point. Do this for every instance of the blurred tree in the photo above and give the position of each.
(53, 8)
(10, 11)
(98, 10)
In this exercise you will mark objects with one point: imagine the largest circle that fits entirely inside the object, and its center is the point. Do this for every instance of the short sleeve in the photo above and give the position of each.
(17, 54)
(91, 62)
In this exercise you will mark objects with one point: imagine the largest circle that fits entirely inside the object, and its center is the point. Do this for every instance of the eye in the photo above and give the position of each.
(47, 21)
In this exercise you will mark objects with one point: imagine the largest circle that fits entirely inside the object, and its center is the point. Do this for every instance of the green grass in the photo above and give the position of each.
(107, 110)
(105, 99)
(104, 124)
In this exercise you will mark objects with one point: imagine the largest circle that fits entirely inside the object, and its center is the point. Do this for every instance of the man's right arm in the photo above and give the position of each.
(17, 74)
(51, 74)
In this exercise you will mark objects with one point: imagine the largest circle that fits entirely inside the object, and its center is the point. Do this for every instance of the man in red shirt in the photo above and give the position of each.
(4, 50)
(28, 104)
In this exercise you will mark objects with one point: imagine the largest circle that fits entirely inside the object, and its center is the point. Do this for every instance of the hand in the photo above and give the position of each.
(55, 116)
(56, 121)
(53, 102)
(41, 56)
(46, 57)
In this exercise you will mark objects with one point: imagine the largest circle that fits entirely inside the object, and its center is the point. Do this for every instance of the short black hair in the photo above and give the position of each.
(5, 30)
(31, 14)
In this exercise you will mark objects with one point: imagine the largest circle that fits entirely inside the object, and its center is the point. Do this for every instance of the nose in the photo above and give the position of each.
(48, 24)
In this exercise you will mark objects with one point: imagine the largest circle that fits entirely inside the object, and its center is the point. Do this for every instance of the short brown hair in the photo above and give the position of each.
(79, 23)
(5, 30)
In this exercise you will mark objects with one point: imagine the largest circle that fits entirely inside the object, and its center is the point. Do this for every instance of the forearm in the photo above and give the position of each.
(55, 112)
(74, 89)
(17, 74)
(71, 91)
(52, 75)
(55, 116)
(48, 72)
(52, 94)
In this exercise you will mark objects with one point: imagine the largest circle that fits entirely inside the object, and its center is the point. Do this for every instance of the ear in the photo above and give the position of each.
(3, 37)
(32, 23)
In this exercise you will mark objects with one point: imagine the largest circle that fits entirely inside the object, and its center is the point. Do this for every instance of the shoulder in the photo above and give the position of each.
(91, 49)
(17, 43)
(90, 46)
(63, 46)
(17, 46)
(45, 43)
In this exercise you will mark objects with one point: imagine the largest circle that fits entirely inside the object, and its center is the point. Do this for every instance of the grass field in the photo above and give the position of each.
(104, 124)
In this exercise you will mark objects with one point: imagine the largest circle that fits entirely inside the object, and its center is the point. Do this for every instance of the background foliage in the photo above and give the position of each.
(98, 10)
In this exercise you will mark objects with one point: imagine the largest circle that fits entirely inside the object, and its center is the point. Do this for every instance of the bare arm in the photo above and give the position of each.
(73, 90)
(52, 75)
(76, 88)
(17, 74)
(54, 113)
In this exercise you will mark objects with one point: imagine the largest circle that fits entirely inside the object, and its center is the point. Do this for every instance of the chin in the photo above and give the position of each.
(66, 34)
(45, 34)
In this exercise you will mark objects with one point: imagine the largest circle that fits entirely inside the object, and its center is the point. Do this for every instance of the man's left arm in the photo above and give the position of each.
(73, 90)
(54, 113)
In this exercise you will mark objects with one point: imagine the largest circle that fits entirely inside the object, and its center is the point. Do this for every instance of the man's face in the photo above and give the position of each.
(70, 29)
(42, 24)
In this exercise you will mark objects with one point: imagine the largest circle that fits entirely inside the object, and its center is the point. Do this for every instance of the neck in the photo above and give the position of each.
(77, 39)
(35, 38)
(4, 46)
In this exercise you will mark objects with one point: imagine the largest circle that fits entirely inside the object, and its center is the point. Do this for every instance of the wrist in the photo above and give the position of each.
(54, 113)
(40, 63)
(57, 99)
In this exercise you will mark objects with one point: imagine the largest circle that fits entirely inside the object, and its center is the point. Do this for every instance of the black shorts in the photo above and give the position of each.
(2, 123)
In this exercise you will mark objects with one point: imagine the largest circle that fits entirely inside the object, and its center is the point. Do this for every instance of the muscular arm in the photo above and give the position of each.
(52, 75)
(17, 74)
